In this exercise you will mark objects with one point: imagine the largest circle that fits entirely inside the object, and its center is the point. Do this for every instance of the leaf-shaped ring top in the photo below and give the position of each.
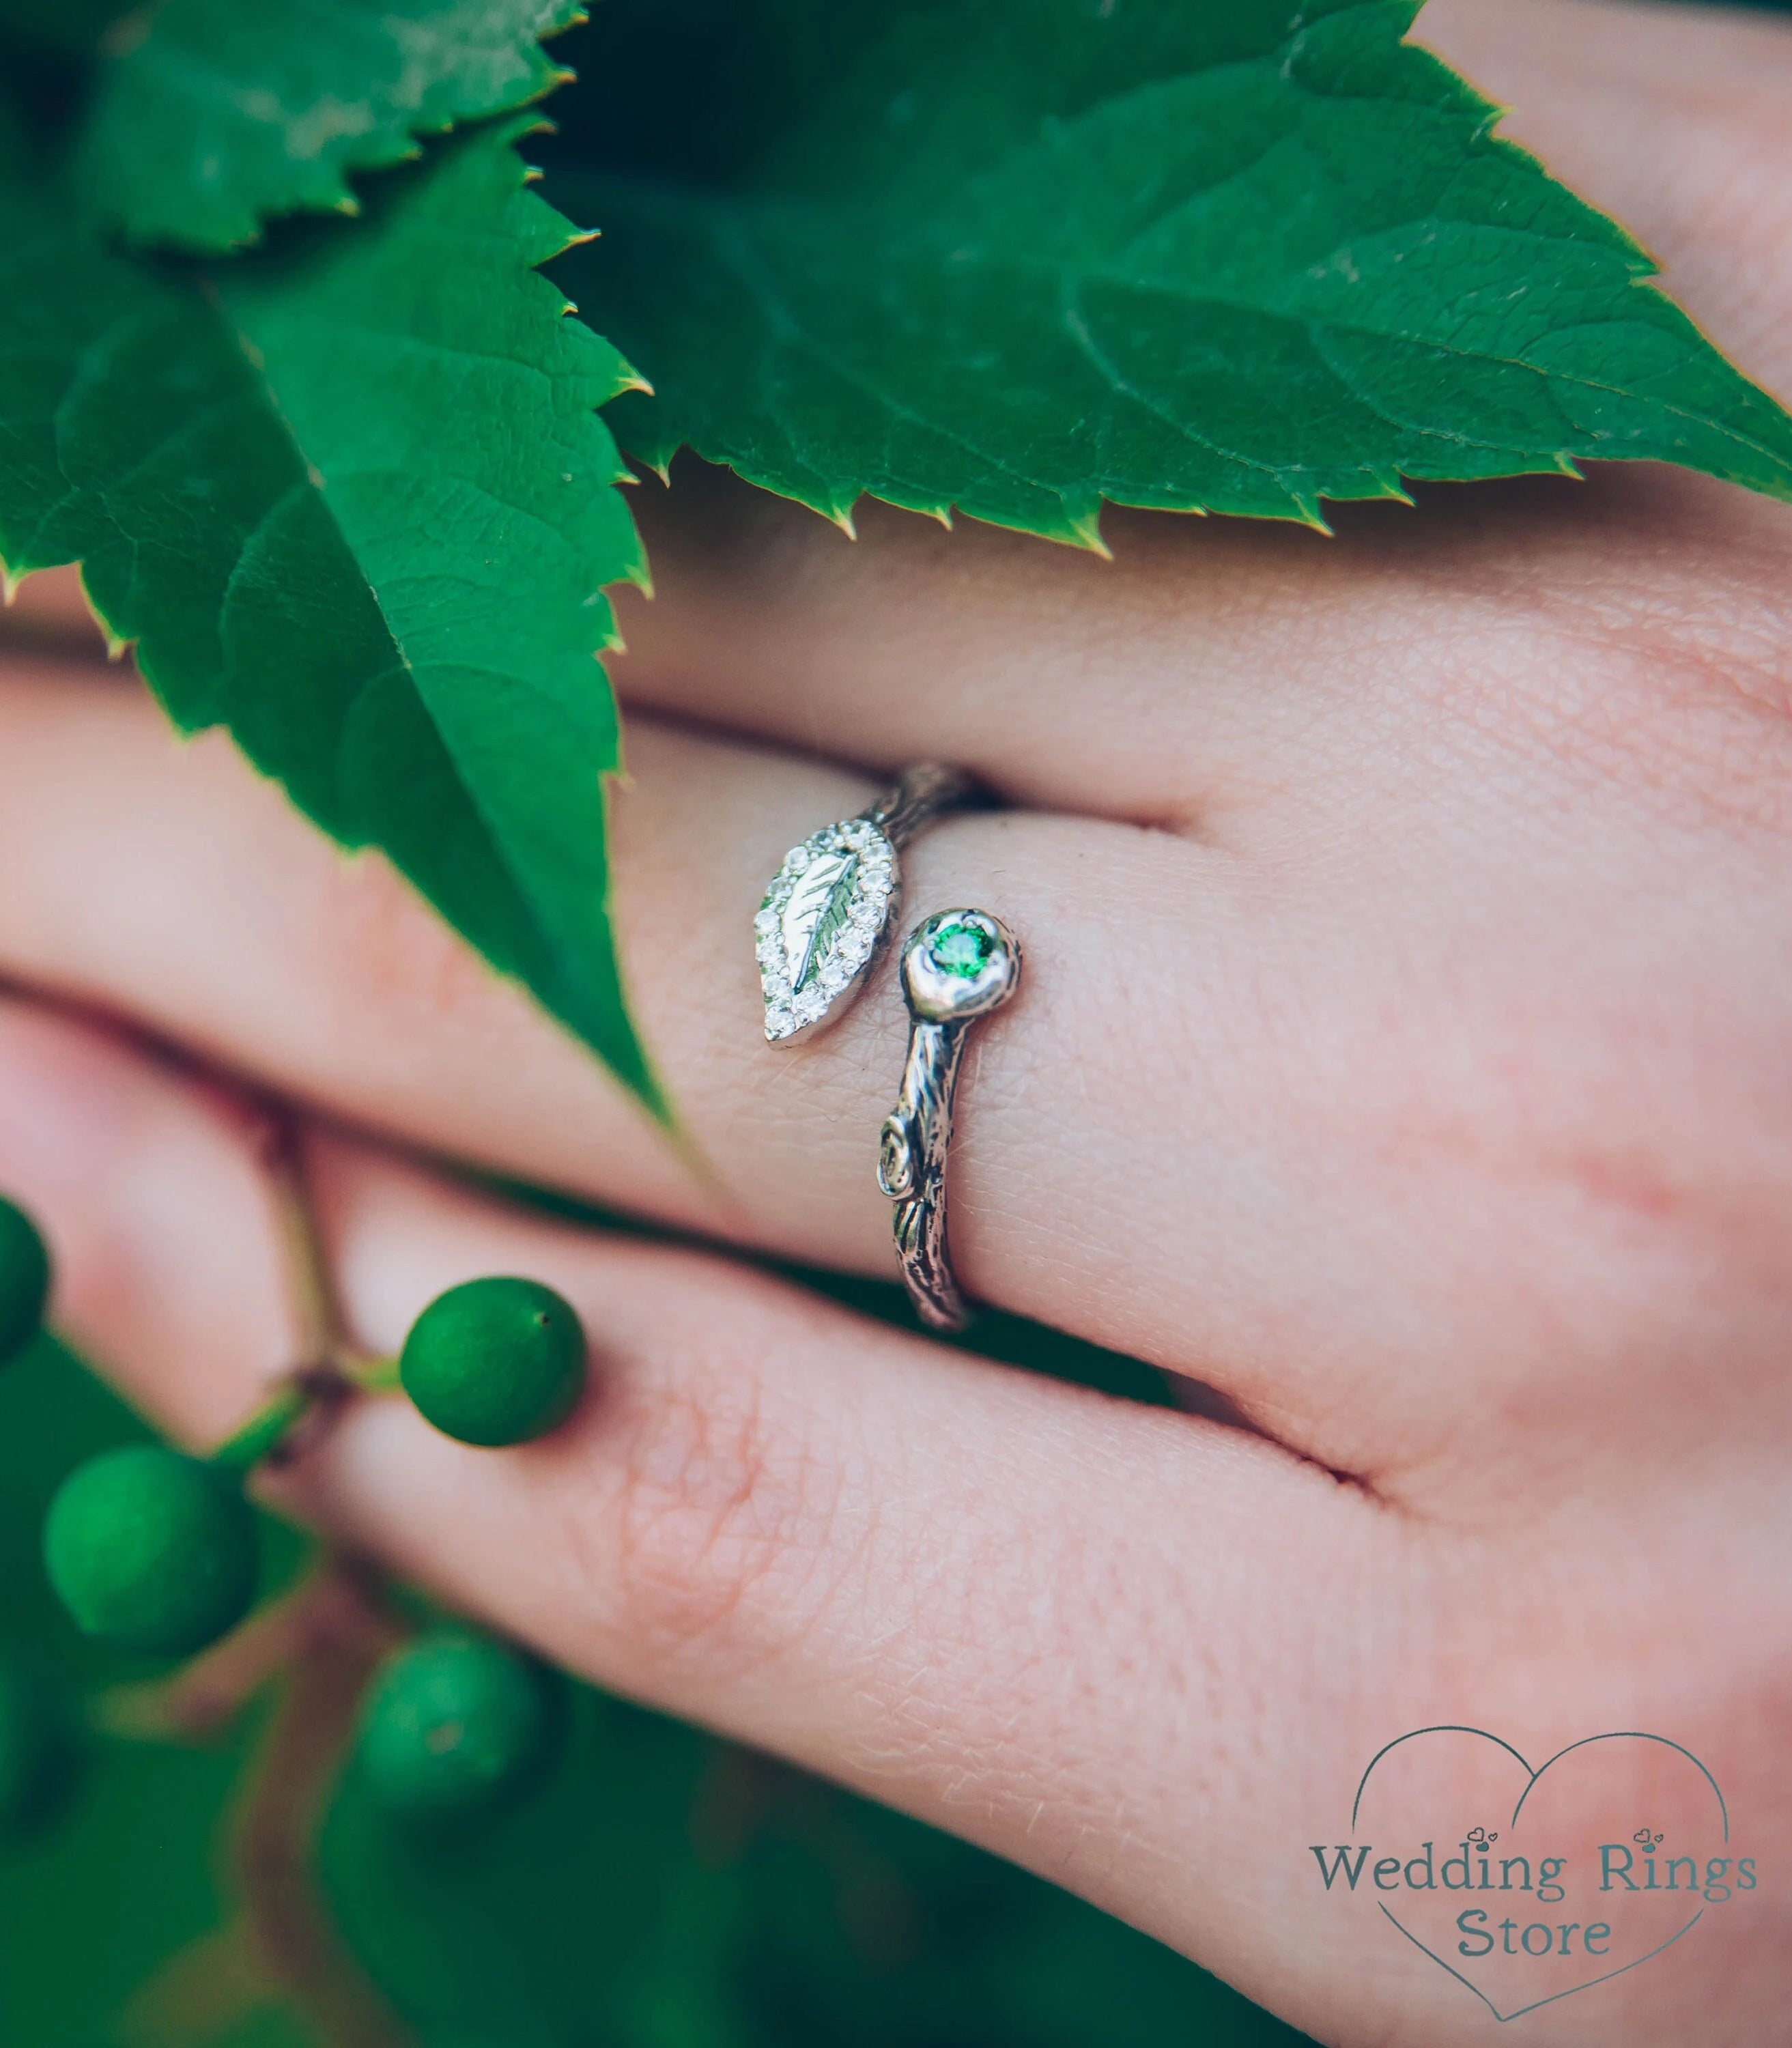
(830, 907)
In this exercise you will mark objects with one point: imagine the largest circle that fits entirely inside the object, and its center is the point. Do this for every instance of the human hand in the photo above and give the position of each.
(1401, 1066)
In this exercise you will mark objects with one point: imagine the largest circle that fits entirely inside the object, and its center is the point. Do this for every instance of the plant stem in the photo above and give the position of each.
(315, 1307)
(370, 1375)
(330, 1367)
(275, 1835)
(267, 1429)
(324, 1639)
(282, 1946)
(333, 1603)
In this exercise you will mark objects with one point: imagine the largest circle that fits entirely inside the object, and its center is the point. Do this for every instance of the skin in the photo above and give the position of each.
(1402, 1067)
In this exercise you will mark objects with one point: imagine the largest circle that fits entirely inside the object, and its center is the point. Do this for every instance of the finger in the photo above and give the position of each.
(1293, 1131)
(168, 883)
(1007, 1605)
(50, 609)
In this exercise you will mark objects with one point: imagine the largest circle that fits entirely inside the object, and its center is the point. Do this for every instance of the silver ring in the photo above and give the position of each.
(957, 966)
(825, 918)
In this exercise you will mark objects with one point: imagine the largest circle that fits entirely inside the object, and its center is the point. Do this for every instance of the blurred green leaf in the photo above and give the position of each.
(210, 116)
(669, 1890)
(1020, 259)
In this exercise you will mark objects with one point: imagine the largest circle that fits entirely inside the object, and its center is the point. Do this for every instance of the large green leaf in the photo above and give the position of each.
(349, 499)
(1017, 258)
(211, 115)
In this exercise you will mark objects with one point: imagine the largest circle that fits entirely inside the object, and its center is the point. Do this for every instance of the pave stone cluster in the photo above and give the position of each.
(803, 970)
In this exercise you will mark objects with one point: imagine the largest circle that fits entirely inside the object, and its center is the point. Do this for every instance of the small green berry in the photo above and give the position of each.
(25, 1280)
(495, 1362)
(151, 1550)
(40, 1749)
(455, 1725)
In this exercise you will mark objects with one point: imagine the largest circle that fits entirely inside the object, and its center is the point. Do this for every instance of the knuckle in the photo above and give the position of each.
(721, 1529)
(1667, 676)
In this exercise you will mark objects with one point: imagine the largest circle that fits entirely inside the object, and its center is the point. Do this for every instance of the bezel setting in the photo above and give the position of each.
(943, 988)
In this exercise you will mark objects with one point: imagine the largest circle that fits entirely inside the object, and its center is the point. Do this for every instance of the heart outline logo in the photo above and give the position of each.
(1533, 1777)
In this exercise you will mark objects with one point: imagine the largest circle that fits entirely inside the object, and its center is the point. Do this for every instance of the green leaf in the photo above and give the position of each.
(211, 115)
(350, 498)
(1016, 258)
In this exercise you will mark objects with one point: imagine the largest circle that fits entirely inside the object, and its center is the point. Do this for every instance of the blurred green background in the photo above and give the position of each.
(663, 1890)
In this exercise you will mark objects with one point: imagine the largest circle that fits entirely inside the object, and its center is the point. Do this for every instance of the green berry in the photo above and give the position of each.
(456, 1725)
(495, 1362)
(40, 1749)
(25, 1280)
(151, 1550)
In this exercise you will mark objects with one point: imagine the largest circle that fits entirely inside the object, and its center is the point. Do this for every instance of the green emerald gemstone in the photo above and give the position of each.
(963, 950)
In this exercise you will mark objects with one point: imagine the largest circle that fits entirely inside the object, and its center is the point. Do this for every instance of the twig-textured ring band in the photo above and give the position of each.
(831, 906)
(956, 967)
